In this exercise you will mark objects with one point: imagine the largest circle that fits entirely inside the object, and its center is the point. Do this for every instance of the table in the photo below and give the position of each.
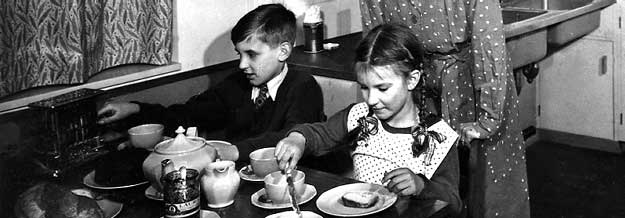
(242, 206)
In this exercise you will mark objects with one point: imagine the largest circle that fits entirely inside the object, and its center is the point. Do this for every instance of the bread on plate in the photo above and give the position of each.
(359, 199)
(51, 200)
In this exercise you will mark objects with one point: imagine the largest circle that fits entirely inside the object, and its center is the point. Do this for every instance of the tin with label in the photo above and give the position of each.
(181, 193)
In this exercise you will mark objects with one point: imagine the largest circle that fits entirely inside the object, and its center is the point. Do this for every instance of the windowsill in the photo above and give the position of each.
(106, 80)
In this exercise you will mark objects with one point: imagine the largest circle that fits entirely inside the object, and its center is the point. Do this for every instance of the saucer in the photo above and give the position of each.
(110, 208)
(89, 181)
(247, 174)
(308, 195)
(152, 193)
(305, 214)
(126, 144)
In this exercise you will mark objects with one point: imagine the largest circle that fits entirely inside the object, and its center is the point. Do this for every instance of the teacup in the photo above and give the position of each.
(263, 161)
(277, 189)
(146, 135)
(225, 150)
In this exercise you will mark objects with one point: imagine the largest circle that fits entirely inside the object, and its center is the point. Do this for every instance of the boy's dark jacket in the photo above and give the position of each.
(228, 109)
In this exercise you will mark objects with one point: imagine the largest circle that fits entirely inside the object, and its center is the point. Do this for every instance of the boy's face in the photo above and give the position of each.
(388, 94)
(259, 61)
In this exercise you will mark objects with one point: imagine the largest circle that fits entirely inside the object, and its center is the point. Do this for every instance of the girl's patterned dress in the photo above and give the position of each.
(471, 83)
(390, 149)
(387, 149)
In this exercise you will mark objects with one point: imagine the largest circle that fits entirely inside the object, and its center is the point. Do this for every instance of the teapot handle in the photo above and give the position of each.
(217, 156)
(214, 154)
(231, 153)
(167, 166)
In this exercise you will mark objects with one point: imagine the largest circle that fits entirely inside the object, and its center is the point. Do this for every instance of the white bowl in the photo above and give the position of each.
(146, 135)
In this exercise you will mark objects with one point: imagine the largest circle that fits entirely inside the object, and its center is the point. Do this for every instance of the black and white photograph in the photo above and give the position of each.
(312, 108)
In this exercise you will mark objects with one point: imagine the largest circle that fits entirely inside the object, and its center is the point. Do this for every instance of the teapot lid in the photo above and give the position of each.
(180, 144)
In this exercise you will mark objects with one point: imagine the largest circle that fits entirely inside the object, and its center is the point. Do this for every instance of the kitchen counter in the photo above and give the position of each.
(554, 15)
(336, 63)
(526, 37)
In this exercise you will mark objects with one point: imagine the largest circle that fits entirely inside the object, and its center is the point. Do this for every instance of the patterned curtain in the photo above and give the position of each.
(52, 42)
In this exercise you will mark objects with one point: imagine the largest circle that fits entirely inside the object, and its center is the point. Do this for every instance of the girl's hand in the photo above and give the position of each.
(289, 150)
(404, 182)
(114, 111)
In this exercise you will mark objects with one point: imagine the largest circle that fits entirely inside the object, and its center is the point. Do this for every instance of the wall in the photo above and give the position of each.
(202, 37)
(203, 27)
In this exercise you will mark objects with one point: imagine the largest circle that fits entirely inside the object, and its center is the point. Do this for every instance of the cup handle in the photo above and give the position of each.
(248, 170)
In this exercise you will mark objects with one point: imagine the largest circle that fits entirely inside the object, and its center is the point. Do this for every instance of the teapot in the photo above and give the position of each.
(188, 151)
(220, 183)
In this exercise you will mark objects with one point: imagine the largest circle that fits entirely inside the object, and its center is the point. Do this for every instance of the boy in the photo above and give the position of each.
(254, 108)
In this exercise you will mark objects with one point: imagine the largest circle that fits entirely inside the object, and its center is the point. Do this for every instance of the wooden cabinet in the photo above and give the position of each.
(617, 12)
(581, 88)
(576, 89)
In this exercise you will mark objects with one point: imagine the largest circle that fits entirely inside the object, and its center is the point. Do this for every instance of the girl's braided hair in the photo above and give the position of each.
(393, 45)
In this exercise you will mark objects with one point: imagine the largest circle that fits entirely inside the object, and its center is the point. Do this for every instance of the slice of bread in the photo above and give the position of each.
(48, 199)
(359, 199)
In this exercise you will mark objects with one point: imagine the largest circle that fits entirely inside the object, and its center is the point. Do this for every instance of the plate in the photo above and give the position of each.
(309, 194)
(330, 201)
(247, 174)
(305, 214)
(125, 144)
(89, 181)
(152, 193)
(110, 208)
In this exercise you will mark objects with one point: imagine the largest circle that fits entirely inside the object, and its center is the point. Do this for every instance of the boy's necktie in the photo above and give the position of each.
(263, 94)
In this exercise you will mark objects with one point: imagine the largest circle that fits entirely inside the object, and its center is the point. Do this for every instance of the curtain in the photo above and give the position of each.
(54, 42)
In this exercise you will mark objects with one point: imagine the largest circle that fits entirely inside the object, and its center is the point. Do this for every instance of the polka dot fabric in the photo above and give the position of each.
(387, 151)
(472, 79)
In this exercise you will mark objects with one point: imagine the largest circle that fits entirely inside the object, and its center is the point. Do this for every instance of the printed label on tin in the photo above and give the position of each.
(182, 209)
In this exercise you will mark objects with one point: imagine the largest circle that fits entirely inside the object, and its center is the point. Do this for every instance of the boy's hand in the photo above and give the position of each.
(114, 111)
(404, 182)
(289, 150)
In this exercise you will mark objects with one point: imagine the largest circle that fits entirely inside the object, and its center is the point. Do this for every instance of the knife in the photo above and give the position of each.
(292, 192)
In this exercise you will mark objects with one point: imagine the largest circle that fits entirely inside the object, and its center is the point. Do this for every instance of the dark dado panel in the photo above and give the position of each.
(21, 131)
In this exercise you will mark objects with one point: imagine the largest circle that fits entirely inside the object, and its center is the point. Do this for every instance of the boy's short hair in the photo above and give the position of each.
(271, 23)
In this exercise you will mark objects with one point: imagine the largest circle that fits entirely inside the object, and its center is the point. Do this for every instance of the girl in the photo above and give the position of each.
(394, 145)
(472, 87)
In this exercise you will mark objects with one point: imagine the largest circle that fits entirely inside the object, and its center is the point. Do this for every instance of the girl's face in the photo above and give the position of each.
(388, 94)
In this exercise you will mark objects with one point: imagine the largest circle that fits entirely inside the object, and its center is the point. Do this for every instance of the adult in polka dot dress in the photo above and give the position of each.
(387, 128)
(471, 86)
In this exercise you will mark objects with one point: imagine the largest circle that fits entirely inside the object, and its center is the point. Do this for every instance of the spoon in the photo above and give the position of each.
(292, 192)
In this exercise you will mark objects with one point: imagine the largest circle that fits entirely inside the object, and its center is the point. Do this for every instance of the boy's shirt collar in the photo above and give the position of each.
(272, 84)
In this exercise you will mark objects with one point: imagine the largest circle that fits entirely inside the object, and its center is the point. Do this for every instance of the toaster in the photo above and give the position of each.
(69, 134)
